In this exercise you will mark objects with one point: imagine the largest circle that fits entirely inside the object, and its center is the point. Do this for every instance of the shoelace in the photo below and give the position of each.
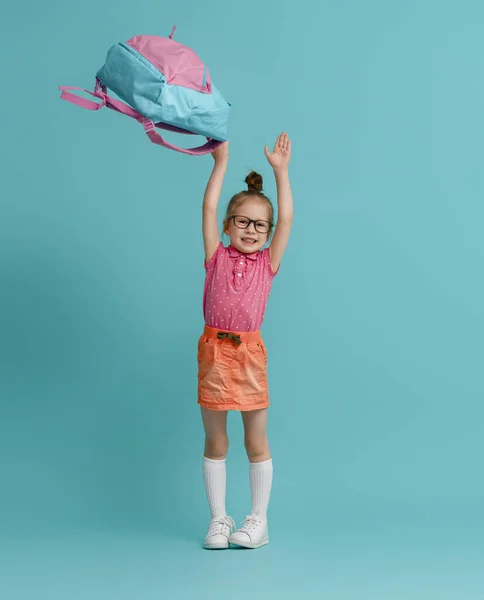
(250, 523)
(217, 525)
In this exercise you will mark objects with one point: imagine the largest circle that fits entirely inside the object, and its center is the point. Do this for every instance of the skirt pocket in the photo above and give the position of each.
(206, 357)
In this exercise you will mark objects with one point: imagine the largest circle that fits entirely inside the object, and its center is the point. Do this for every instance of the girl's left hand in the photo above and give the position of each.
(281, 155)
(221, 153)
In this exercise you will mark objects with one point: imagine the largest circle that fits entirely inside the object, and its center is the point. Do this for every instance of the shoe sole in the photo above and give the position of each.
(251, 545)
(216, 546)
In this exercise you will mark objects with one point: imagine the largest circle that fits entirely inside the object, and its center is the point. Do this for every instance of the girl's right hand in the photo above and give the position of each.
(221, 154)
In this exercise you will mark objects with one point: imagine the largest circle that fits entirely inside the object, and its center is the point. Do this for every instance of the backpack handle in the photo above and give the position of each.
(148, 124)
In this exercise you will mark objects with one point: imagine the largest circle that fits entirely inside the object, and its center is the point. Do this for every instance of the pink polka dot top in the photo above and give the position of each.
(237, 287)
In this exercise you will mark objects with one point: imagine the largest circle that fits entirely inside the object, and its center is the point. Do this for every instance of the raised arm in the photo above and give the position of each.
(211, 237)
(279, 161)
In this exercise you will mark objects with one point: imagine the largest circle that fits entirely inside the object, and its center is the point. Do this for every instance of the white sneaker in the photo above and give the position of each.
(218, 534)
(253, 534)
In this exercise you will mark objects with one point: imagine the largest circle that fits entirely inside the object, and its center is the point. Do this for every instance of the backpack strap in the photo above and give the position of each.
(78, 100)
(149, 126)
(156, 138)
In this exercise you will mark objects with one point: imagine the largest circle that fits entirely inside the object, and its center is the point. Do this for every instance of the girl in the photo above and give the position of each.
(232, 359)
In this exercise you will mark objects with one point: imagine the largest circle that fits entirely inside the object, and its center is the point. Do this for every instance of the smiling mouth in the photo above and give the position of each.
(248, 240)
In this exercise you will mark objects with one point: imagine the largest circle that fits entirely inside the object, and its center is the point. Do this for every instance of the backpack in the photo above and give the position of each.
(165, 85)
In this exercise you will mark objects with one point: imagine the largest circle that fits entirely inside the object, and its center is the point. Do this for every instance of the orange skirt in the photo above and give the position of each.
(232, 370)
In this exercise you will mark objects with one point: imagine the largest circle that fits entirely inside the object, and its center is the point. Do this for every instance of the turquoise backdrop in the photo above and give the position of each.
(374, 328)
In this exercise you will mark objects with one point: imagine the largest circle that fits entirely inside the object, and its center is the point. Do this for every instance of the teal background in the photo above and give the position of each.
(374, 327)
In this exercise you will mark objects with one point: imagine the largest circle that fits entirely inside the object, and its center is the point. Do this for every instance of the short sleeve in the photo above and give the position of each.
(267, 259)
(211, 263)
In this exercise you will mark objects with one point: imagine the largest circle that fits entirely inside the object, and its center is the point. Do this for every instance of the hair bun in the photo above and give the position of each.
(254, 182)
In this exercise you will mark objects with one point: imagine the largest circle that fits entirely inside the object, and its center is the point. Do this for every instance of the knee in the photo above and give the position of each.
(257, 448)
(216, 448)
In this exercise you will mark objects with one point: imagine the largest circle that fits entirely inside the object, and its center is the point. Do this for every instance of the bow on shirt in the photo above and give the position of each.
(234, 253)
(222, 335)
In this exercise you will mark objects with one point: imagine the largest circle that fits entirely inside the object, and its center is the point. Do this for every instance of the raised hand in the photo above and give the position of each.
(281, 155)
(221, 153)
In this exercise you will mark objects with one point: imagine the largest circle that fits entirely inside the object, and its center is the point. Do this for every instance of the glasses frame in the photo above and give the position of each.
(255, 221)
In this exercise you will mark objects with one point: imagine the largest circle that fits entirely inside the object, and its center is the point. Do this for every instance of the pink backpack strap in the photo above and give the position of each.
(156, 138)
(149, 126)
(78, 100)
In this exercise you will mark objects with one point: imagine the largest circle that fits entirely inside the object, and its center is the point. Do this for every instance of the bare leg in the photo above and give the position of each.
(216, 439)
(255, 428)
(254, 533)
(215, 471)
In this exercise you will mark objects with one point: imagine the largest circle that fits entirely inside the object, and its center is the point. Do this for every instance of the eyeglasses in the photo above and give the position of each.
(244, 222)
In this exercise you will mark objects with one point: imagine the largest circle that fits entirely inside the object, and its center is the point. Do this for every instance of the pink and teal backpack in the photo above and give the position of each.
(164, 85)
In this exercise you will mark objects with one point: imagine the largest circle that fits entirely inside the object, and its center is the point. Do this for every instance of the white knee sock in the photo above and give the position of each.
(260, 485)
(215, 476)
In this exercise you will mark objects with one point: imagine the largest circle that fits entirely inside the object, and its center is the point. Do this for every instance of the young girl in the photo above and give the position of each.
(232, 358)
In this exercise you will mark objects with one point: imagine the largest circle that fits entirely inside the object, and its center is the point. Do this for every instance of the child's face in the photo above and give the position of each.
(248, 240)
